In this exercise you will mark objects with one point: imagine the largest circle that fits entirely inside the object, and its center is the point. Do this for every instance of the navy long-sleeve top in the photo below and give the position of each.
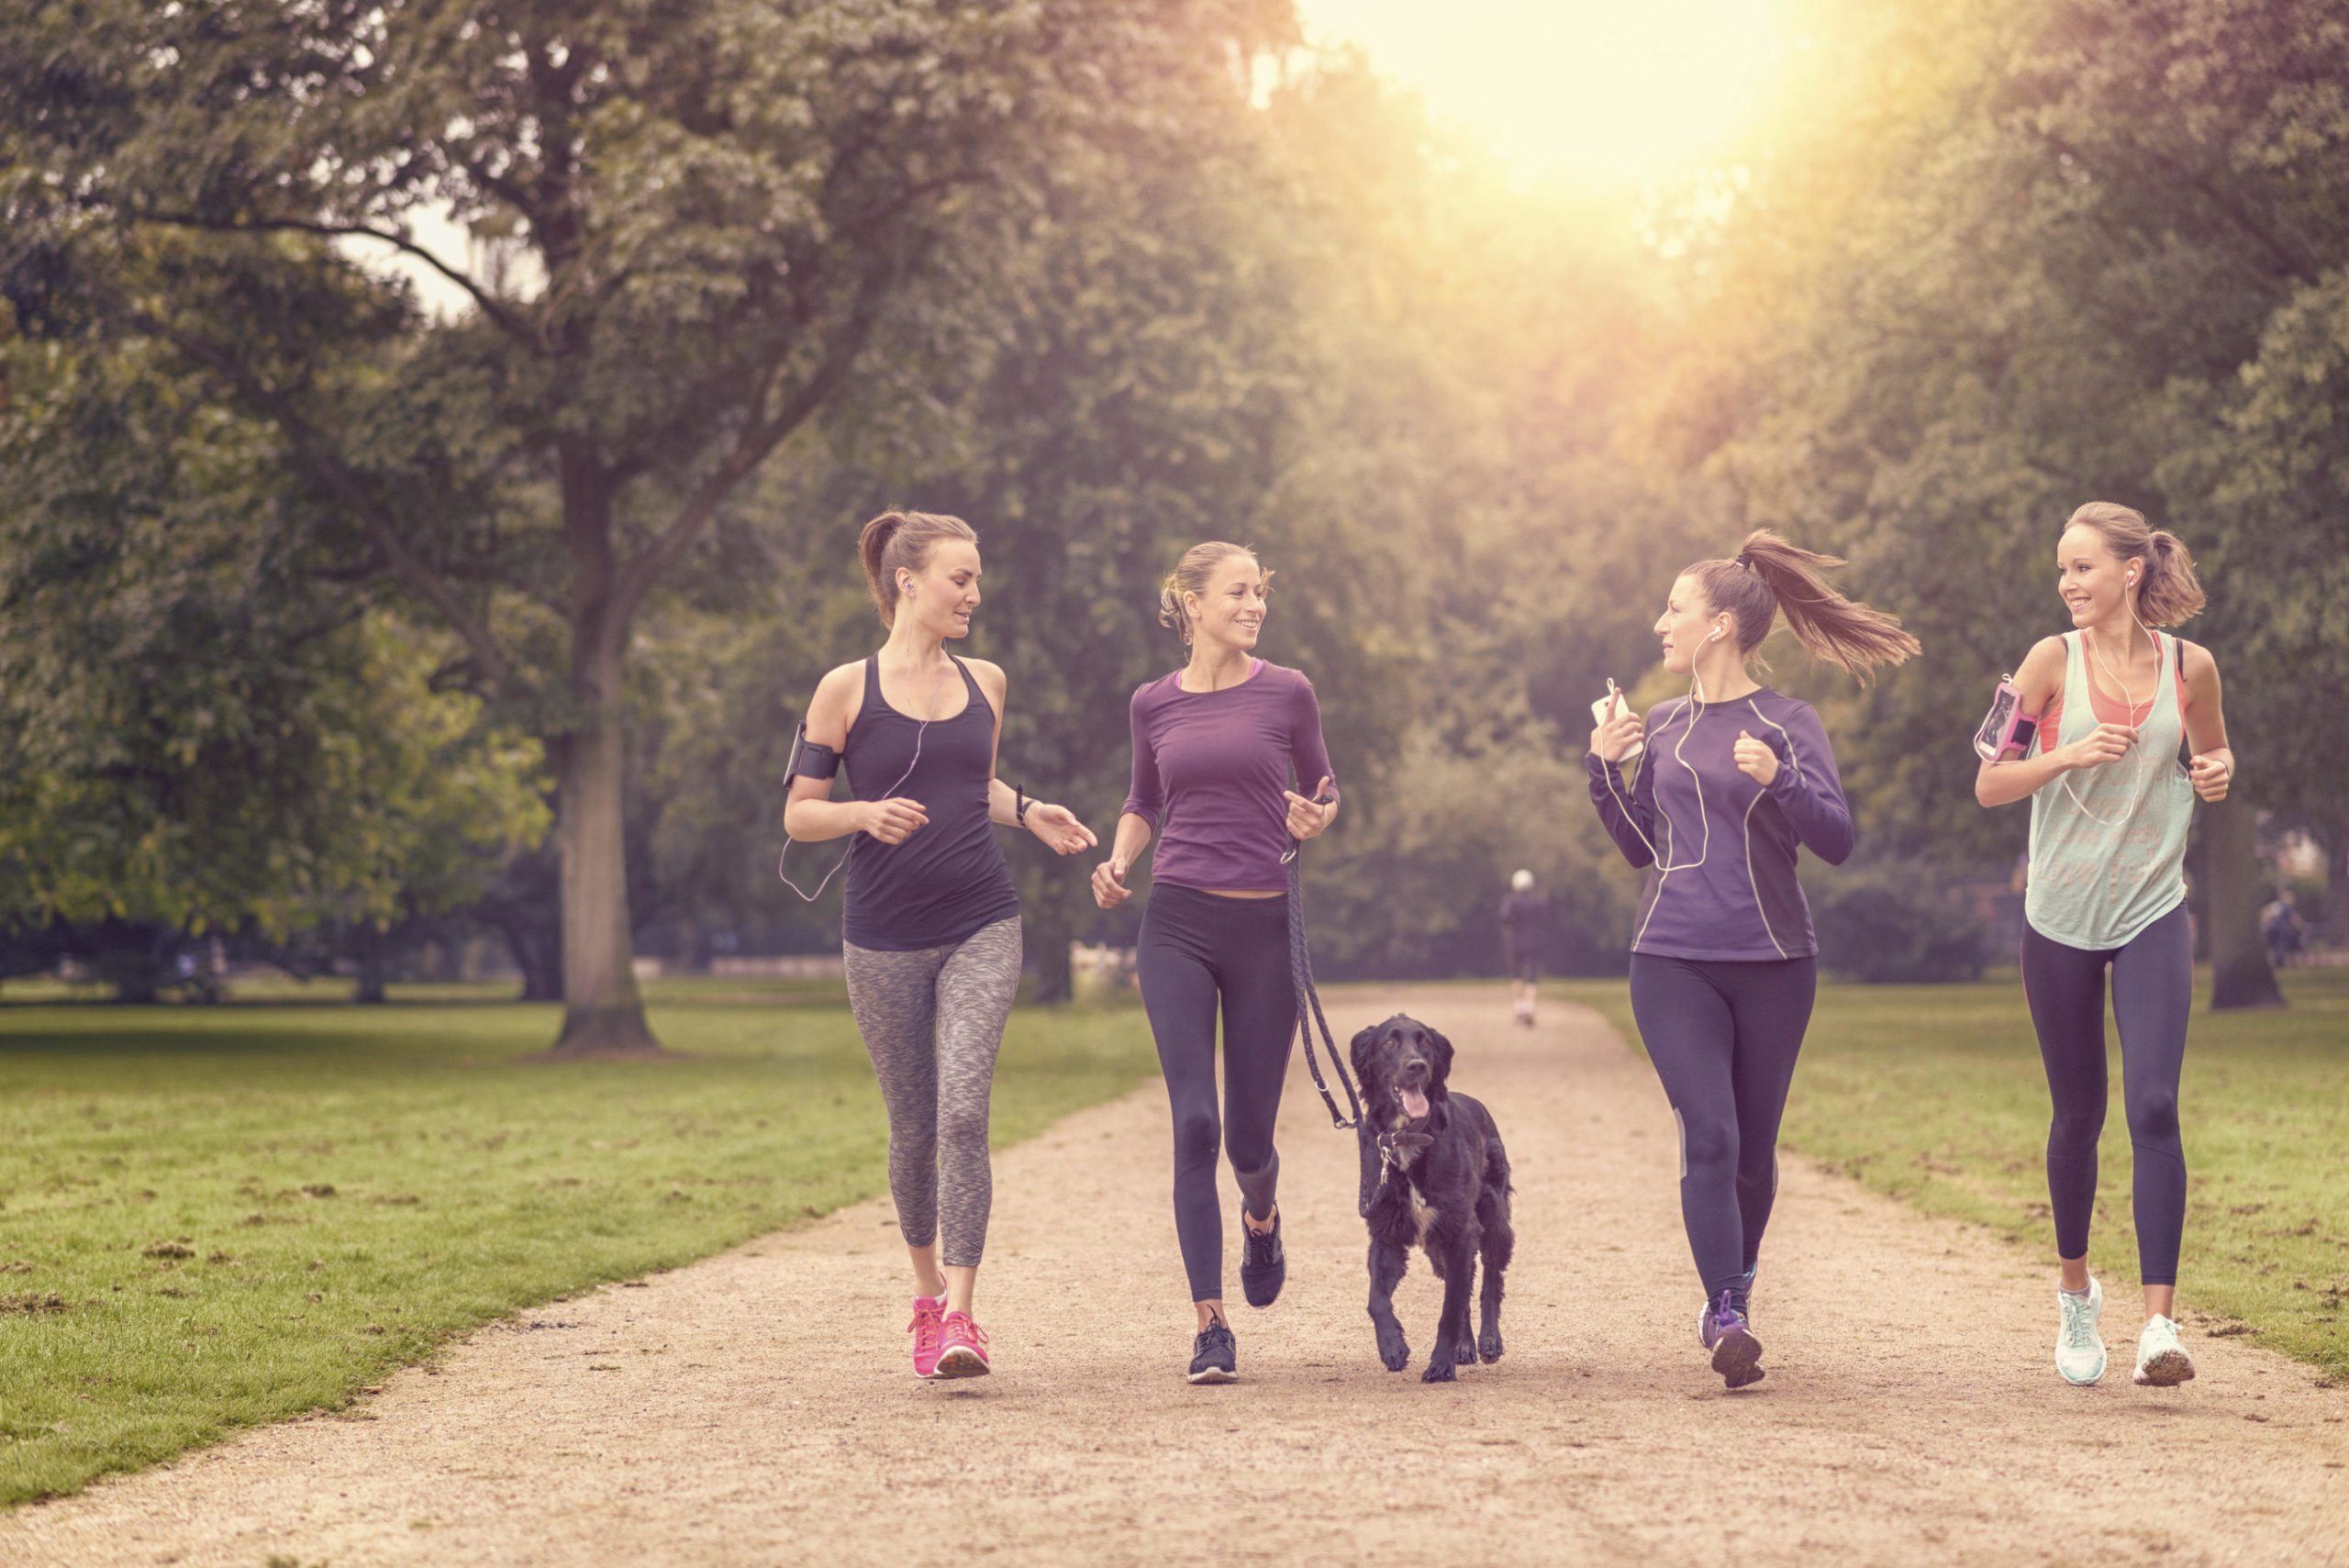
(1721, 846)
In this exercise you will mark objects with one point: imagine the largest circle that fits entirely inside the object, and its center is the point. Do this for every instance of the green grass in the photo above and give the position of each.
(215, 1216)
(1934, 1093)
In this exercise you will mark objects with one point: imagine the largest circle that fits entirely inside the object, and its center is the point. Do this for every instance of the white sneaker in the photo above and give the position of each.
(2162, 1362)
(2079, 1349)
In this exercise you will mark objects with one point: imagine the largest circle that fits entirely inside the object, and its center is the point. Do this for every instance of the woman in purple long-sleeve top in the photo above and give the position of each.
(1215, 744)
(1733, 779)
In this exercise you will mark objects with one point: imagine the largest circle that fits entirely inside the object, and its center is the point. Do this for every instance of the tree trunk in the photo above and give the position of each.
(373, 968)
(602, 1014)
(537, 951)
(2239, 973)
(2335, 928)
(1049, 927)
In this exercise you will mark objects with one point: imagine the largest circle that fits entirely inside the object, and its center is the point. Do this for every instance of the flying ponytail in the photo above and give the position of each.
(1771, 576)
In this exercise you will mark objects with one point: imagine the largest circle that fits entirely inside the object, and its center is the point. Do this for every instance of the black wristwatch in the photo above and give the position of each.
(1020, 806)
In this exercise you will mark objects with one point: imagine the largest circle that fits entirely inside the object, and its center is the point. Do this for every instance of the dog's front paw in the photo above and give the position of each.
(1440, 1369)
(1488, 1345)
(1393, 1349)
(1466, 1354)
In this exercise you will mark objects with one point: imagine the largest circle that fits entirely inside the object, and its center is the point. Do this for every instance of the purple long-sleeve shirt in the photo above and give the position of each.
(1725, 888)
(1213, 764)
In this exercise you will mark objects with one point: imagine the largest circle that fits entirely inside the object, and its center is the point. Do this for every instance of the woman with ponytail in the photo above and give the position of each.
(1214, 743)
(2113, 699)
(1735, 778)
(930, 935)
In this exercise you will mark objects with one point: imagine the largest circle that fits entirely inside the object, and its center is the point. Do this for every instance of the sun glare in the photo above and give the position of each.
(1596, 93)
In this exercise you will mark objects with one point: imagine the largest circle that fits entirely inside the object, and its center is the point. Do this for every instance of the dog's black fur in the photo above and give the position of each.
(1440, 1182)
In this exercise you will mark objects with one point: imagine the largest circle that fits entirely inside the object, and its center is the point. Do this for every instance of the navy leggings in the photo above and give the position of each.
(2152, 990)
(1723, 1037)
(1198, 951)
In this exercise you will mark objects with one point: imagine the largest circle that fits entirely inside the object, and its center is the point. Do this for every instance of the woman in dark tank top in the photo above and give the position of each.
(931, 939)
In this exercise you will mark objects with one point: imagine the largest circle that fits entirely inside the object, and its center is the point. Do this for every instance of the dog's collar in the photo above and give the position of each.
(1398, 1147)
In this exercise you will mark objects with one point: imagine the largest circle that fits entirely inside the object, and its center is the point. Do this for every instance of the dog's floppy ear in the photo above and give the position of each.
(1358, 1051)
(1443, 1058)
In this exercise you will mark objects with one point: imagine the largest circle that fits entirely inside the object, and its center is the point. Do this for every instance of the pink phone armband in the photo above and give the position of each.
(2007, 730)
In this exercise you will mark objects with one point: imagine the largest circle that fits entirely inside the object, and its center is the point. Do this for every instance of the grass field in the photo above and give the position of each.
(214, 1216)
(1935, 1094)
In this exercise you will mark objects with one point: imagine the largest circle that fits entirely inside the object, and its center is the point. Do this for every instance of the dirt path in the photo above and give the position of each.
(752, 1409)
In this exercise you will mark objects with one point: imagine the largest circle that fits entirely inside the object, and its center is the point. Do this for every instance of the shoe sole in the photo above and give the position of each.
(2090, 1381)
(1212, 1374)
(1734, 1355)
(1248, 1291)
(2166, 1370)
(960, 1363)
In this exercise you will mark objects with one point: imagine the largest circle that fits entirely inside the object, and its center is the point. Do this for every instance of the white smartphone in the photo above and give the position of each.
(1610, 706)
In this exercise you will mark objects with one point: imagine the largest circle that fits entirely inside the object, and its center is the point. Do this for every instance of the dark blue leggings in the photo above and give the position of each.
(1198, 951)
(1723, 1037)
(2152, 990)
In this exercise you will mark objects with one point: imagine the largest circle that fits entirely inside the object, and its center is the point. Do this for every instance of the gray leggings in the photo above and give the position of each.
(932, 1021)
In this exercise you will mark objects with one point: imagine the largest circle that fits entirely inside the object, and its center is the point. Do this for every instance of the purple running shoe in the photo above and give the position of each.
(1721, 1328)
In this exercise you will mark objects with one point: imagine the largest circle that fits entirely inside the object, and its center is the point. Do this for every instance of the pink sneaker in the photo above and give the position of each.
(962, 1347)
(924, 1328)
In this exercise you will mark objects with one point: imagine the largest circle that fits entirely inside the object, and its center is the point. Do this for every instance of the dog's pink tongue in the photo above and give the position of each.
(1415, 1104)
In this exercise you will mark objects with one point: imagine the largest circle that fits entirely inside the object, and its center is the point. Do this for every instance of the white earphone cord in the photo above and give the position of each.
(1696, 702)
(919, 731)
(2136, 726)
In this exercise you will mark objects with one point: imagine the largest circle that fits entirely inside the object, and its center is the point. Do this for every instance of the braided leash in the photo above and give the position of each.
(1308, 1001)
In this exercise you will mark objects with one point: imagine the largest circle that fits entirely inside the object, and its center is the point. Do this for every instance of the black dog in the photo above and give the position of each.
(1433, 1174)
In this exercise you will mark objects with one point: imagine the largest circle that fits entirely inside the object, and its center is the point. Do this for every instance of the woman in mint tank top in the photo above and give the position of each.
(2115, 699)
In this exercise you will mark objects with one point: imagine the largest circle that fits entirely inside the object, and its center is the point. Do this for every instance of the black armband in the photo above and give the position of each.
(809, 759)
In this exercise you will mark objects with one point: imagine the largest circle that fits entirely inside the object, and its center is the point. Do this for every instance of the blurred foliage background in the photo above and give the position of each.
(435, 438)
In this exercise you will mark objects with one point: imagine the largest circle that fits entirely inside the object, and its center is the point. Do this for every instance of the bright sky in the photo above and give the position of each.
(1604, 93)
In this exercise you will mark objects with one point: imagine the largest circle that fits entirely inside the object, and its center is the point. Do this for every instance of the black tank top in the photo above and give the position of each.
(950, 879)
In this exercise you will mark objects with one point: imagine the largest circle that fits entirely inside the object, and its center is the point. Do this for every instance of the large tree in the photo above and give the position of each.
(197, 734)
(701, 224)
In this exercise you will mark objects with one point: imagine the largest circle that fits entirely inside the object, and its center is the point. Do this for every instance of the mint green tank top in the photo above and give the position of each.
(2096, 884)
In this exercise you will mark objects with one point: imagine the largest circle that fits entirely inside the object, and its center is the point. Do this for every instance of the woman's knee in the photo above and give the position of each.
(2075, 1130)
(1757, 1177)
(962, 1128)
(2152, 1117)
(1198, 1133)
(1708, 1145)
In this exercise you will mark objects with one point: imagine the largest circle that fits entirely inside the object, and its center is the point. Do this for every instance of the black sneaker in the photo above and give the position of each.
(1264, 1266)
(1212, 1357)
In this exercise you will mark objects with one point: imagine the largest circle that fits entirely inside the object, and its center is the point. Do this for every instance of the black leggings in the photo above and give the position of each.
(1197, 948)
(2152, 990)
(1723, 1037)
